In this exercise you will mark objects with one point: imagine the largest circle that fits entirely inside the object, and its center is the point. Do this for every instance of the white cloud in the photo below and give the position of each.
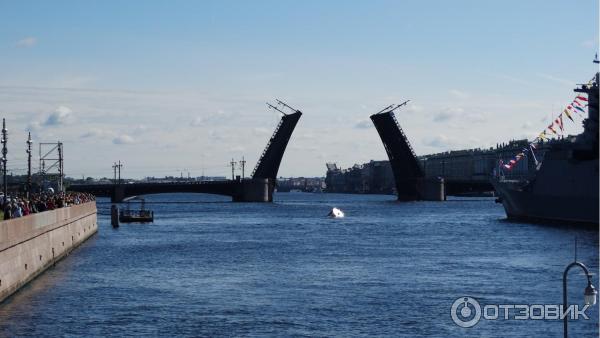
(439, 141)
(309, 148)
(442, 142)
(459, 94)
(196, 122)
(442, 117)
(97, 133)
(237, 149)
(557, 79)
(589, 43)
(215, 136)
(34, 126)
(123, 139)
(218, 117)
(414, 108)
(259, 131)
(306, 136)
(513, 79)
(139, 129)
(61, 115)
(447, 114)
(474, 142)
(363, 124)
(27, 42)
(476, 117)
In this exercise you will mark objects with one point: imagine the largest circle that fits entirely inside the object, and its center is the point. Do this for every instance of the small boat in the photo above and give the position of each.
(142, 216)
(336, 213)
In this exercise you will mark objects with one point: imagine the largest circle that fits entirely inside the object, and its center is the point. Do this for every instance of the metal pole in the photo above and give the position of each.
(41, 168)
(286, 105)
(60, 167)
(384, 109)
(119, 167)
(273, 107)
(4, 152)
(43, 172)
(29, 142)
(243, 163)
(114, 166)
(400, 105)
(565, 303)
(232, 169)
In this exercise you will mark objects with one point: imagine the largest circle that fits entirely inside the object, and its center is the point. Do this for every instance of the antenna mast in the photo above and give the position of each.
(391, 107)
(273, 107)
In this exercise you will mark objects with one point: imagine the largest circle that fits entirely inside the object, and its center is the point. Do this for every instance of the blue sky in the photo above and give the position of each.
(171, 86)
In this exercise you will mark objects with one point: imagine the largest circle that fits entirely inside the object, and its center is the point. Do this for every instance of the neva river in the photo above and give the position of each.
(209, 267)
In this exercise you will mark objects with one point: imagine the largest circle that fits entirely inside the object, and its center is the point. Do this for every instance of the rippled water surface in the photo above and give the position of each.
(211, 267)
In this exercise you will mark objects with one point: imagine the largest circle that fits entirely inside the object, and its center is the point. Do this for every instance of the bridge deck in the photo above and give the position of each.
(405, 165)
(257, 189)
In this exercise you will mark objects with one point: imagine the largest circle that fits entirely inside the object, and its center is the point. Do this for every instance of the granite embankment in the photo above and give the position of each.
(31, 244)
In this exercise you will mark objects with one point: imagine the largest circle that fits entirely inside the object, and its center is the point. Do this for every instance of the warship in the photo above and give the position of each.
(564, 188)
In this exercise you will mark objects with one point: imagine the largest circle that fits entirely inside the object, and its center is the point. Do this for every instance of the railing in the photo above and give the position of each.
(403, 135)
(260, 159)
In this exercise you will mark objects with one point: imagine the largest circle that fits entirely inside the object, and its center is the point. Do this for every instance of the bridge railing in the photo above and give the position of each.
(403, 135)
(264, 152)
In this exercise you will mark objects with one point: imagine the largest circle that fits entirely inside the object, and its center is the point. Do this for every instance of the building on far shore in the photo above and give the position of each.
(305, 184)
(464, 171)
(375, 177)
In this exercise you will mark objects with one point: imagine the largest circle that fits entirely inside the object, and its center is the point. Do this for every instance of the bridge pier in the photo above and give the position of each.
(253, 190)
(118, 194)
(432, 189)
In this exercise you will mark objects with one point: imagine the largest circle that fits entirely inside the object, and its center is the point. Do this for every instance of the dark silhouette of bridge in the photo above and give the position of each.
(409, 176)
(258, 188)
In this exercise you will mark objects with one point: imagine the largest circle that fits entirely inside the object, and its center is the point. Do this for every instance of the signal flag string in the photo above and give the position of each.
(575, 108)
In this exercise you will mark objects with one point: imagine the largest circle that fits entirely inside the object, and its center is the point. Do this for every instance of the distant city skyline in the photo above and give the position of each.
(170, 87)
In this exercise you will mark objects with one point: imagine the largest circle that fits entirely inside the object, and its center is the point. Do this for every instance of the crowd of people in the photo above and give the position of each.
(15, 207)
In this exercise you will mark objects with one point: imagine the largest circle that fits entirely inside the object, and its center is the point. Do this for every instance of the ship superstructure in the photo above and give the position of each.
(565, 186)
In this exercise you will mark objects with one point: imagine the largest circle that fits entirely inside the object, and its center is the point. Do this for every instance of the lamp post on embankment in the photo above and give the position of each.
(29, 142)
(589, 293)
(4, 152)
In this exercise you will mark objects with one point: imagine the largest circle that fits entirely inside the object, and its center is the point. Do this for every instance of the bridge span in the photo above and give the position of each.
(258, 188)
(409, 176)
(247, 190)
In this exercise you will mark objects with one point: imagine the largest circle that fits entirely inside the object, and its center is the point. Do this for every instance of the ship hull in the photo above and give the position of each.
(524, 205)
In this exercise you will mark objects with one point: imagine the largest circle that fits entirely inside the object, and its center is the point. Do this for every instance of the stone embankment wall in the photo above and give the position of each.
(31, 244)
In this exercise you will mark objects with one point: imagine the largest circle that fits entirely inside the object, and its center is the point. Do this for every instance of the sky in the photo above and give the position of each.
(171, 87)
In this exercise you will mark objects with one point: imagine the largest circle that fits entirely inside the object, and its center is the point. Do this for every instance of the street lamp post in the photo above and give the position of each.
(29, 142)
(589, 293)
(4, 152)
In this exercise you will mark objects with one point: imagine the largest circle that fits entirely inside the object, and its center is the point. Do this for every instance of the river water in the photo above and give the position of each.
(209, 267)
